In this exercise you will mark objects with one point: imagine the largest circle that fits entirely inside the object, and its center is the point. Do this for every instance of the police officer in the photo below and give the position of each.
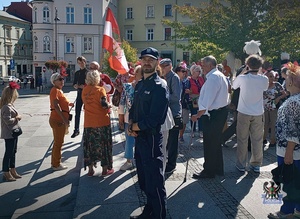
(146, 116)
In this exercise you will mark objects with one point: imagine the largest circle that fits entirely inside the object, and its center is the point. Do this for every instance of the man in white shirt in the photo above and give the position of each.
(212, 104)
(250, 119)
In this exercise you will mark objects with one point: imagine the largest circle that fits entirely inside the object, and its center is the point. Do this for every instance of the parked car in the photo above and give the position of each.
(28, 76)
(10, 78)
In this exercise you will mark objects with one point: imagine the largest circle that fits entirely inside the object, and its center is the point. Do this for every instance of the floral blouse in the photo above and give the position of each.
(126, 100)
(288, 126)
(270, 95)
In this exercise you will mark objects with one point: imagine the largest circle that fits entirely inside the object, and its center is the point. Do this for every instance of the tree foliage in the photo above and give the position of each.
(131, 56)
(228, 24)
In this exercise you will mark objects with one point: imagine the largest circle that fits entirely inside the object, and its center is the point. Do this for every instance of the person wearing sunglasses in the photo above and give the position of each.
(59, 119)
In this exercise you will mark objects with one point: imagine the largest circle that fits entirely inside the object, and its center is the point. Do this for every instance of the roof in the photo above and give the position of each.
(21, 10)
(7, 15)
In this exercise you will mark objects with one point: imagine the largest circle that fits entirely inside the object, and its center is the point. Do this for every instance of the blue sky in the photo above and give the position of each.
(6, 3)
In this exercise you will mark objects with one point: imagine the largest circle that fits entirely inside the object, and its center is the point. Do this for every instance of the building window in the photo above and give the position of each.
(87, 15)
(8, 33)
(17, 34)
(46, 15)
(17, 52)
(21, 50)
(150, 34)
(129, 34)
(8, 50)
(46, 43)
(186, 57)
(69, 44)
(30, 50)
(87, 44)
(168, 33)
(35, 15)
(150, 11)
(24, 34)
(36, 44)
(168, 10)
(70, 15)
(129, 13)
(24, 48)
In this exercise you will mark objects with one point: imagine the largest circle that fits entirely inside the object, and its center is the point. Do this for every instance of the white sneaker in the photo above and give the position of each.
(60, 167)
(126, 166)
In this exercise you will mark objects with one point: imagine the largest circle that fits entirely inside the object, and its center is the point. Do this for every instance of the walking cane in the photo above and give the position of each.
(189, 148)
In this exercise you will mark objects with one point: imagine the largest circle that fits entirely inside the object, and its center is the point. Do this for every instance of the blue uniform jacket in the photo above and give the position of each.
(150, 103)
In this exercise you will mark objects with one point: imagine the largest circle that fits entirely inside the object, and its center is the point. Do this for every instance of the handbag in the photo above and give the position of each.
(70, 117)
(178, 123)
(289, 175)
(16, 132)
(116, 98)
(195, 103)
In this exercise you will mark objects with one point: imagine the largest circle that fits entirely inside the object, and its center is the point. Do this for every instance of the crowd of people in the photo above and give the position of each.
(156, 102)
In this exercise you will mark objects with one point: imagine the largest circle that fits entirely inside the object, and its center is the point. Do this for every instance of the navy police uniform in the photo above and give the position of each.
(149, 111)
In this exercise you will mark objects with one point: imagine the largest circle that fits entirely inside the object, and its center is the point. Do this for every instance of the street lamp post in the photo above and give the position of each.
(56, 34)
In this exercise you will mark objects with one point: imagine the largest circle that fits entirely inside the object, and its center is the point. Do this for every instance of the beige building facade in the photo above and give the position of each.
(15, 46)
(140, 24)
(64, 30)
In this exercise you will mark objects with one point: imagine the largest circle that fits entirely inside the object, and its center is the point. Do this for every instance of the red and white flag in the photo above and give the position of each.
(111, 42)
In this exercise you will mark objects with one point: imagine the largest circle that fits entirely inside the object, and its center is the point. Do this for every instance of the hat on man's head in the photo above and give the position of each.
(151, 52)
(165, 61)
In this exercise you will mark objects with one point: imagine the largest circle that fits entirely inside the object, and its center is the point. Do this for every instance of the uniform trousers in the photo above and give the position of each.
(149, 164)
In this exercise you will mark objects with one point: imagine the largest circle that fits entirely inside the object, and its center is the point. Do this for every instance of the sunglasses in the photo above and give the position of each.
(183, 71)
(60, 79)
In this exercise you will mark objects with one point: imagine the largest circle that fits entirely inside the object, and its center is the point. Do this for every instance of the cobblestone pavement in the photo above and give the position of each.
(42, 193)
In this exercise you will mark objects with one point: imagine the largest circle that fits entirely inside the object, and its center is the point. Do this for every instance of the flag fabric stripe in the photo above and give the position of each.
(111, 38)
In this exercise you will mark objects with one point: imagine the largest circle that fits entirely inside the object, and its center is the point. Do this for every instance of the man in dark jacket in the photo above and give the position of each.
(78, 83)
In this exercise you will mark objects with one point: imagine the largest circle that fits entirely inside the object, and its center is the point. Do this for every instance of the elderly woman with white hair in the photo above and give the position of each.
(196, 82)
(97, 136)
(59, 119)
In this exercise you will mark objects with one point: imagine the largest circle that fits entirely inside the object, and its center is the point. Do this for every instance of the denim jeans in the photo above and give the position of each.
(9, 159)
(129, 144)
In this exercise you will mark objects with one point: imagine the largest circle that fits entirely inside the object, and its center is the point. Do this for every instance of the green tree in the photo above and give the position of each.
(228, 24)
(131, 57)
